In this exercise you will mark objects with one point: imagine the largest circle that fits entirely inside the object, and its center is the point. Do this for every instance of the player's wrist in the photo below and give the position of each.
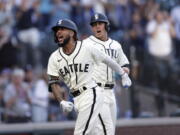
(62, 101)
(122, 72)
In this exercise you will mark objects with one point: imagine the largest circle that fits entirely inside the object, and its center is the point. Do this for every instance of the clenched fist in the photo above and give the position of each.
(66, 106)
(126, 81)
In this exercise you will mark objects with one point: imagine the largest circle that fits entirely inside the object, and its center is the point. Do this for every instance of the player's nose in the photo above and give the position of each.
(59, 33)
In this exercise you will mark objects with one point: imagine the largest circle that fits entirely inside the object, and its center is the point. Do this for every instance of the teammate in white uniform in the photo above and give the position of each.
(103, 75)
(73, 63)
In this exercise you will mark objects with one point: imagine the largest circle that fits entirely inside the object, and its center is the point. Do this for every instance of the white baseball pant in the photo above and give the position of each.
(108, 114)
(88, 105)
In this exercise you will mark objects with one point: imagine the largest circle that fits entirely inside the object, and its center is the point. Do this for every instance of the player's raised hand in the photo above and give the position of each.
(66, 106)
(126, 81)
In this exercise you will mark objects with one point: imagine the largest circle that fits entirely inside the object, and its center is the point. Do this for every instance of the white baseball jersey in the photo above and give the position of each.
(76, 68)
(102, 72)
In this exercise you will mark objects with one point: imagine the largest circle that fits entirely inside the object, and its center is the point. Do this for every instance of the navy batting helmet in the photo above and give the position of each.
(98, 17)
(65, 23)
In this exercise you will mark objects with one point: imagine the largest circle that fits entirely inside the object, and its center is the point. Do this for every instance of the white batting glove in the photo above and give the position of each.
(126, 81)
(66, 106)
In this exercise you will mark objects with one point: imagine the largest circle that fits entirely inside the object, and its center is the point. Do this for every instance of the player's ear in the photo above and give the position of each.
(72, 33)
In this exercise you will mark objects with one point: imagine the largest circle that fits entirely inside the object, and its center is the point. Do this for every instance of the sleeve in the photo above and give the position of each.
(52, 68)
(151, 26)
(8, 94)
(122, 59)
(101, 57)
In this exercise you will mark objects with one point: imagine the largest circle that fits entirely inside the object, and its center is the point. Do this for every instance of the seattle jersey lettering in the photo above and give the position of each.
(77, 67)
(112, 53)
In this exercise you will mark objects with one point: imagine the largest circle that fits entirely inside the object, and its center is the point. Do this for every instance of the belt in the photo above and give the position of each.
(106, 85)
(78, 92)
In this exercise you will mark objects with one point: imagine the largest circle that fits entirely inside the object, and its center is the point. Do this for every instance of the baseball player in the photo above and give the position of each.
(73, 62)
(103, 75)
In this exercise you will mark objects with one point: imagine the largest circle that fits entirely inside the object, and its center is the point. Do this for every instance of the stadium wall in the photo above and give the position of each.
(151, 126)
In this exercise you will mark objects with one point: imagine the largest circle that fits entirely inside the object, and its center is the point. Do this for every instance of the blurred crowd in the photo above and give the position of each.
(149, 31)
(24, 97)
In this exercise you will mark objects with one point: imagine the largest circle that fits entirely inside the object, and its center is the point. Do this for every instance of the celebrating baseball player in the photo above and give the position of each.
(73, 62)
(102, 74)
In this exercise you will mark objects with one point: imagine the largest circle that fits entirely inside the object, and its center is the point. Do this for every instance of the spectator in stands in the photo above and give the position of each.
(137, 34)
(160, 50)
(123, 13)
(26, 22)
(136, 46)
(39, 99)
(30, 77)
(27, 19)
(7, 50)
(45, 9)
(16, 98)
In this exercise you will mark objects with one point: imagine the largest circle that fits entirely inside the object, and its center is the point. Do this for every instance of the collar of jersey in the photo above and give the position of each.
(100, 41)
(62, 52)
(72, 53)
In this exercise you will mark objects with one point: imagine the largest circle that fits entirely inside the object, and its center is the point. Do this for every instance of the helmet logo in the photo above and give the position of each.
(59, 22)
(96, 16)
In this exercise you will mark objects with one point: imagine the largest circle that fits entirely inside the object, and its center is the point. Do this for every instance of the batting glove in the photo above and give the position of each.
(126, 81)
(66, 106)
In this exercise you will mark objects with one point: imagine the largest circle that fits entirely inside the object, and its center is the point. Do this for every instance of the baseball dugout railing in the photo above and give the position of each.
(150, 126)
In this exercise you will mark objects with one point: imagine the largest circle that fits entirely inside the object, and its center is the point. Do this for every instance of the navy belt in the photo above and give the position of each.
(109, 86)
(78, 92)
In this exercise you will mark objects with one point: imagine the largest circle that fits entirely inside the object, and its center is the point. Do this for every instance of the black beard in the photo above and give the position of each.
(66, 40)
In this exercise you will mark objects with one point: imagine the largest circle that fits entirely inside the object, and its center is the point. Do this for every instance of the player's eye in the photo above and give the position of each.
(94, 24)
